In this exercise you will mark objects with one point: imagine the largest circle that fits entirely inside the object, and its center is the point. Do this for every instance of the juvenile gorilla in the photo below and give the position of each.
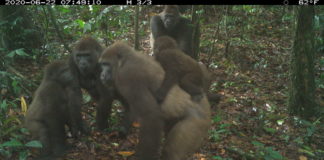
(170, 23)
(137, 78)
(57, 102)
(179, 69)
(84, 65)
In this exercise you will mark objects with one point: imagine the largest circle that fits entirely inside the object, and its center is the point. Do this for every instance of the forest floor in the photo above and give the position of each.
(250, 122)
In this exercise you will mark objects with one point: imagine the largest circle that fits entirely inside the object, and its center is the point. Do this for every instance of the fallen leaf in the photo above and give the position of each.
(136, 124)
(126, 153)
(220, 45)
(199, 155)
(222, 152)
(302, 158)
(23, 105)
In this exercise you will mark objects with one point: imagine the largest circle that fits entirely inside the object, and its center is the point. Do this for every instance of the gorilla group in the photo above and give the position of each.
(167, 93)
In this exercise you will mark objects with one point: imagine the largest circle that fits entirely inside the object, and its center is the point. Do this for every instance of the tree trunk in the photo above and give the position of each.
(302, 89)
(196, 33)
(136, 27)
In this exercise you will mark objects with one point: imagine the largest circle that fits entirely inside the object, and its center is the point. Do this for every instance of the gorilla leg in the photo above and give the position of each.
(104, 98)
(103, 111)
(192, 85)
(44, 138)
(144, 106)
(150, 138)
(184, 138)
(57, 137)
(127, 121)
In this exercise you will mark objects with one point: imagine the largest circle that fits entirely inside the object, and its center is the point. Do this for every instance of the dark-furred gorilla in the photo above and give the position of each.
(84, 65)
(170, 23)
(137, 77)
(179, 69)
(57, 102)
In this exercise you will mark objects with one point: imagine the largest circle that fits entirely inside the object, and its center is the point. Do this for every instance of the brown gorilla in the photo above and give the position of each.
(179, 69)
(84, 65)
(137, 77)
(57, 102)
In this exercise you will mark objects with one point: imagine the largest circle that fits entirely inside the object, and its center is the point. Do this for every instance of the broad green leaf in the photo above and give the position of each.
(23, 155)
(306, 151)
(87, 27)
(80, 22)
(86, 98)
(274, 154)
(217, 157)
(105, 10)
(3, 22)
(4, 104)
(12, 143)
(217, 118)
(21, 52)
(280, 121)
(224, 125)
(35, 144)
(221, 131)
(256, 143)
(11, 54)
(270, 130)
(64, 9)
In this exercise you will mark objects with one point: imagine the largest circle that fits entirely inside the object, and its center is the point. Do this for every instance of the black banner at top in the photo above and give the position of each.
(161, 2)
(222, 2)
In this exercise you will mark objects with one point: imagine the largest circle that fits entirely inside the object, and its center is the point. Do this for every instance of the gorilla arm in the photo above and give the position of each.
(157, 27)
(185, 40)
(106, 95)
(142, 104)
(74, 109)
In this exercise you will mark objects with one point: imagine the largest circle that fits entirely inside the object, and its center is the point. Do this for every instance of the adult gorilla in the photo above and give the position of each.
(137, 77)
(170, 23)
